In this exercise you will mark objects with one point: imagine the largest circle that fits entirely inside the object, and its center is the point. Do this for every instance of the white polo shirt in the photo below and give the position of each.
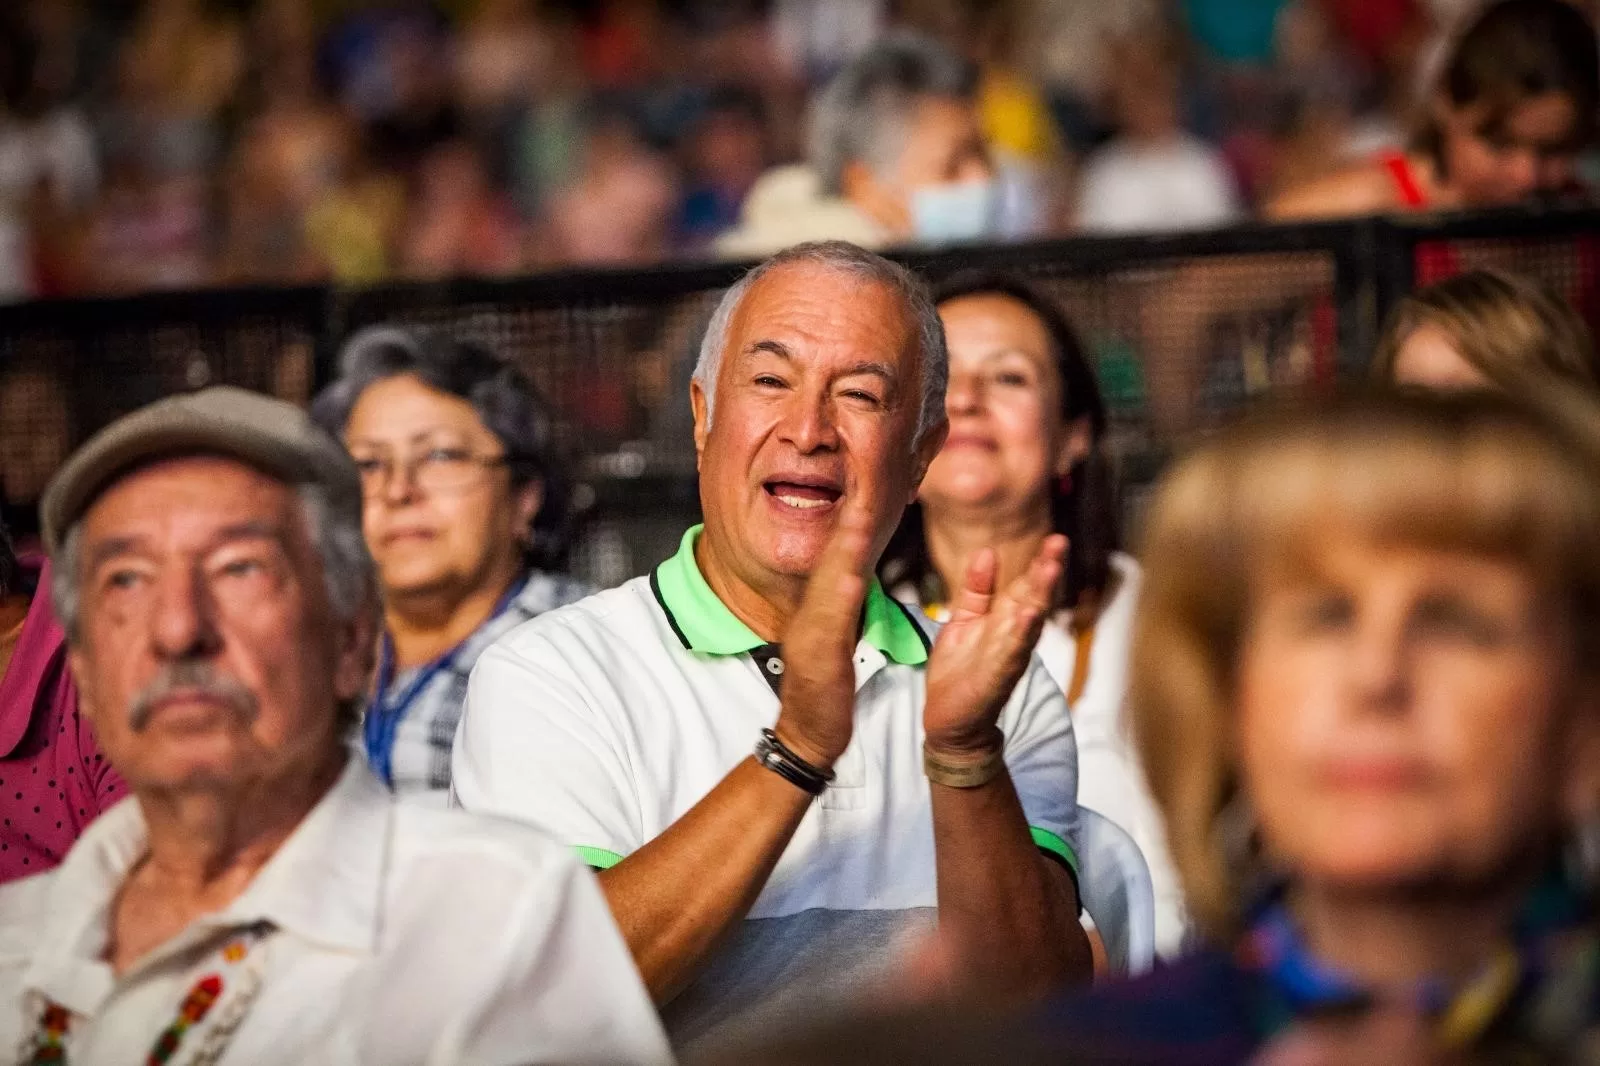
(605, 721)
(399, 935)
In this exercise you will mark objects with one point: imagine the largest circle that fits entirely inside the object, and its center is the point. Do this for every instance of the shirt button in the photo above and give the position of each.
(775, 666)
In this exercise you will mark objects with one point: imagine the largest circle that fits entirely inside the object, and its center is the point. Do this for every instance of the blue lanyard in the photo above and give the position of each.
(385, 713)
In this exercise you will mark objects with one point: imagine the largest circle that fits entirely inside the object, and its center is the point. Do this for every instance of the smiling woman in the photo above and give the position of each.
(1023, 460)
(465, 515)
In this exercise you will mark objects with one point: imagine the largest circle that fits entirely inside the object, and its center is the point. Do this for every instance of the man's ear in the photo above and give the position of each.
(357, 661)
(873, 198)
(927, 450)
(701, 406)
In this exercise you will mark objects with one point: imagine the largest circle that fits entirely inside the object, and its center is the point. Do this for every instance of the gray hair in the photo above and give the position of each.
(348, 573)
(844, 258)
(864, 114)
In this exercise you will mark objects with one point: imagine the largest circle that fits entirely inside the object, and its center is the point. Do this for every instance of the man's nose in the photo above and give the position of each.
(183, 619)
(808, 424)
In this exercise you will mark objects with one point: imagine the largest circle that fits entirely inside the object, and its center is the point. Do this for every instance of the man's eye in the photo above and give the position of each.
(862, 395)
(241, 568)
(122, 579)
(769, 381)
(447, 455)
(1012, 378)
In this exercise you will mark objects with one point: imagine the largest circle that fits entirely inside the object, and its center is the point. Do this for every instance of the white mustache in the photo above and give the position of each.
(197, 677)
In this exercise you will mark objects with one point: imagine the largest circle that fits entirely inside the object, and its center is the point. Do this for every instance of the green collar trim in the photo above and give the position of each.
(705, 625)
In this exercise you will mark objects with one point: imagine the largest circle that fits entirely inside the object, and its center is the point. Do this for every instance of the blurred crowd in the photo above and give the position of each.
(185, 143)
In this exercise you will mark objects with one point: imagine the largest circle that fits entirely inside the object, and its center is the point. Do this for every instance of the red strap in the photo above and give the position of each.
(1405, 182)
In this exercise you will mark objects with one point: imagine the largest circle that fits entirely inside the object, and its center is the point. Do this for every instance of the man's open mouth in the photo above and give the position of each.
(803, 495)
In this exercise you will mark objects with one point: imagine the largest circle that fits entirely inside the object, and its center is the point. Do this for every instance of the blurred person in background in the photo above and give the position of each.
(47, 158)
(1504, 123)
(460, 223)
(287, 154)
(53, 779)
(353, 228)
(1025, 459)
(465, 513)
(896, 156)
(617, 207)
(149, 230)
(1152, 176)
(503, 56)
(724, 154)
(1070, 45)
(1031, 165)
(391, 68)
(1366, 687)
(1486, 328)
(181, 68)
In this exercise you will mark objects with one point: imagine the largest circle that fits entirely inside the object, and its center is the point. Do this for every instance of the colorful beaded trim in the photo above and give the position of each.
(48, 1046)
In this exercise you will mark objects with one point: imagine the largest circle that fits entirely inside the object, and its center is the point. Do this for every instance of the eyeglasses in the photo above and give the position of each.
(435, 470)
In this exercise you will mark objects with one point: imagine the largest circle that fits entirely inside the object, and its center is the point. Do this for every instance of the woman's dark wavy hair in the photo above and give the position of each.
(503, 397)
(1086, 513)
(1513, 51)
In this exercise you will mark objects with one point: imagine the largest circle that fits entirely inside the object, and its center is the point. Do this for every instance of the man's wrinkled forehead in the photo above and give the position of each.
(194, 496)
(813, 311)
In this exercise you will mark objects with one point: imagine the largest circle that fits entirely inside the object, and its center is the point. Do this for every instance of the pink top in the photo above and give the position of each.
(53, 780)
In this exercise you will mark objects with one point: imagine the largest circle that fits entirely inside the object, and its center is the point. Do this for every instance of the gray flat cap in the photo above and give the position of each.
(275, 437)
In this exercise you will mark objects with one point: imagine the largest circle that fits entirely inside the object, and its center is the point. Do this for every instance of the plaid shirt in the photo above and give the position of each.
(411, 724)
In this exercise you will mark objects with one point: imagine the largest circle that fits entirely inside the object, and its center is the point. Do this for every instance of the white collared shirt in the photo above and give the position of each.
(401, 935)
(605, 721)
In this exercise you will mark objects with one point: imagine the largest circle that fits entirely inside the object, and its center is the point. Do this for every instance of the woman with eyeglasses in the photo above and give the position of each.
(464, 516)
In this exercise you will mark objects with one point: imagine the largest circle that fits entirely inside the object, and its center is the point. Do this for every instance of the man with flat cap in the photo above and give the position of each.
(261, 898)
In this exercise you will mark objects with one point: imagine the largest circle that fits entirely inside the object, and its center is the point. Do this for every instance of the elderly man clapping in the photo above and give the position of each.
(780, 780)
(262, 898)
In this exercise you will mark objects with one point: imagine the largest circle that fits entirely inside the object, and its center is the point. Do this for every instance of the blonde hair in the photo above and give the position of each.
(1508, 327)
(1516, 476)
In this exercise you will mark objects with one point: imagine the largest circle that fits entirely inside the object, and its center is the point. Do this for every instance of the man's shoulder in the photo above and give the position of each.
(482, 853)
(624, 612)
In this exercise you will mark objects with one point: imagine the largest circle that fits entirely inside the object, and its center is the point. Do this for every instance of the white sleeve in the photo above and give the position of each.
(1042, 756)
(558, 987)
(536, 743)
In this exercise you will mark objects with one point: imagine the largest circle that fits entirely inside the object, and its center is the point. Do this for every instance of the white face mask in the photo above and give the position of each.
(953, 212)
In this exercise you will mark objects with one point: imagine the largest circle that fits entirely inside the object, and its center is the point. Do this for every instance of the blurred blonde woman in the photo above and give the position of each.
(1366, 687)
(1485, 328)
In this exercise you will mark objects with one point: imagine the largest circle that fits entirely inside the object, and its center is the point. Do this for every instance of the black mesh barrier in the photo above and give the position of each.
(1185, 331)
